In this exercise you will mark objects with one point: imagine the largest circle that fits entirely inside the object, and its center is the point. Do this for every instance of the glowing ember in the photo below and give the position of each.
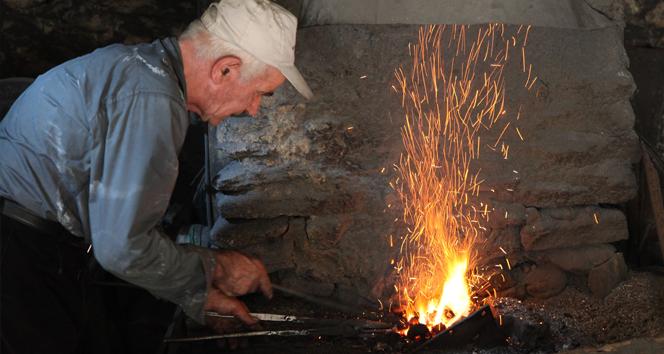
(454, 90)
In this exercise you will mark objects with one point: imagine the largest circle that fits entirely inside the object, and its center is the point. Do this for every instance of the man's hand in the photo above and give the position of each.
(233, 274)
(223, 304)
(236, 274)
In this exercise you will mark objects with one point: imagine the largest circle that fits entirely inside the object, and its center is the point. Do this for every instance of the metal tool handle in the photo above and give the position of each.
(270, 317)
(290, 332)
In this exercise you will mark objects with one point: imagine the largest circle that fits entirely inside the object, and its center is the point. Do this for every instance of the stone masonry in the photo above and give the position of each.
(305, 185)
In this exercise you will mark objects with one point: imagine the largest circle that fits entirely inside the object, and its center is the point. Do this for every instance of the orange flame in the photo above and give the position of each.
(454, 90)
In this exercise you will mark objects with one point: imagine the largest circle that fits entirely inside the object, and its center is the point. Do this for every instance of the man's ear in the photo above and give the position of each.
(225, 68)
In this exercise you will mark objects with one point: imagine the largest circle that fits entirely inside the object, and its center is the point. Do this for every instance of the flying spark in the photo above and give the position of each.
(454, 91)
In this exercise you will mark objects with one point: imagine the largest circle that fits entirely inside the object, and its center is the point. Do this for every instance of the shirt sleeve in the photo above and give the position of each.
(130, 188)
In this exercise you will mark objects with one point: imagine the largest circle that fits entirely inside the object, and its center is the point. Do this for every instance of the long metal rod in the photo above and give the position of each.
(288, 333)
(269, 317)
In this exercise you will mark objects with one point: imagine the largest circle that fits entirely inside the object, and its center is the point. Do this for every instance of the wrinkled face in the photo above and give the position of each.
(233, 95)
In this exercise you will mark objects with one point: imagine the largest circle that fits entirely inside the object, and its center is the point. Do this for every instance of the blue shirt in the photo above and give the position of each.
(93, 144)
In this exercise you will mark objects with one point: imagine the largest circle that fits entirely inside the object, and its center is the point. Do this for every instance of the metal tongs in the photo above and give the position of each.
(319, 327)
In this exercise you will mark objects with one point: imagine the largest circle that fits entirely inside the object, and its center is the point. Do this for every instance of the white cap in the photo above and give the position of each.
(262, 29)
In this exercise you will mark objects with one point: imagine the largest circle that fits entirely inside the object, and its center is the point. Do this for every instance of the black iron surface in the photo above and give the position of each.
(480, 329)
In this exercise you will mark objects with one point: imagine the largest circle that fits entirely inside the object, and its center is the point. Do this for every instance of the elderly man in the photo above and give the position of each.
(89, 155)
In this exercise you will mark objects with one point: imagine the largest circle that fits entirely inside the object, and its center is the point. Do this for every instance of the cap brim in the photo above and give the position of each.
(295, 78)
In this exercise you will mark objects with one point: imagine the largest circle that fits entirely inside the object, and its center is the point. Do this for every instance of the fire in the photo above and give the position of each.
(454, 301)
(453, 91)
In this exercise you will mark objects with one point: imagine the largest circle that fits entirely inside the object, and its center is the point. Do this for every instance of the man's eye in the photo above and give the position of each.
(268, 94)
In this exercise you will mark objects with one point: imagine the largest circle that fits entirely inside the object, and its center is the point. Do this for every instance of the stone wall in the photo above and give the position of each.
(305, 185)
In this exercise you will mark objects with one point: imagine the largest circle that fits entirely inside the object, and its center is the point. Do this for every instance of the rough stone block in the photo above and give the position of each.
(279, 139)
(576, 259)
(325, 232)
(246, 232)
(579, 144)
(506, 214)
(295, 198)
(604, 277)
(499, 244)
(544, 281)
(614, 9)
(569, 227)
(271, 240)
(308, 286)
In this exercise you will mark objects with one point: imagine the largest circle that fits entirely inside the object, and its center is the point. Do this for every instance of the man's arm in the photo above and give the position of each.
(131, 185)
(130, 188)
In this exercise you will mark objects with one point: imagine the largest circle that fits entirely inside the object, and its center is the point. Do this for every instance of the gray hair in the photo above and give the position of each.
(209, 46)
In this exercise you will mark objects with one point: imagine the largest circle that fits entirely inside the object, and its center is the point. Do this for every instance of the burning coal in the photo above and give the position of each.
(453, 92)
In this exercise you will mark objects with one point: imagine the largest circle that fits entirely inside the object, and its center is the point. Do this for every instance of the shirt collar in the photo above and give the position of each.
(175, 57)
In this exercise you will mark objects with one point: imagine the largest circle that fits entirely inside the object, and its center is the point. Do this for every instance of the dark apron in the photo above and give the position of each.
(47, 304)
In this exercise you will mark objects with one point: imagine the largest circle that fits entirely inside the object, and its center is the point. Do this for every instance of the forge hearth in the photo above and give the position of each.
(479, 329)
(563, 323)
